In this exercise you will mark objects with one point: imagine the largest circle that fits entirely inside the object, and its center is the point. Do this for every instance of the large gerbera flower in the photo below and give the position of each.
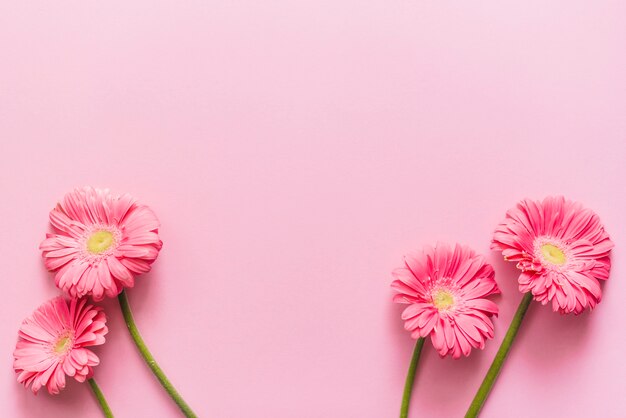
(101, 242)
(51, 344)
(446, 288)
(562, 250)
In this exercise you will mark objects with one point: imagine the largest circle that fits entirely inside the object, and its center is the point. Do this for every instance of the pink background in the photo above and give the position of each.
(294, 151)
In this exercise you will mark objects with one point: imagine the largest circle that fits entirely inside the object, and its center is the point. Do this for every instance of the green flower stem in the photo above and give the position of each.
(106, 410)
(492, 374)
(410, 378)
(149, 359)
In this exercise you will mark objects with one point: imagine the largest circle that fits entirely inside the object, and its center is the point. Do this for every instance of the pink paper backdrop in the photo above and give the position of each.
(294, 151)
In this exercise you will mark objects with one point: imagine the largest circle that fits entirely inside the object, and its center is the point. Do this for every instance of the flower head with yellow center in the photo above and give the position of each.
(100, 242)
(53, 344)
(446, 289)
(561, 249)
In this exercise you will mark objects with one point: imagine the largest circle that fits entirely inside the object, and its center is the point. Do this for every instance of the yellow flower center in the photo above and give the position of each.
(443, 299)
(63, 345)
(553, 254)
(100, 241)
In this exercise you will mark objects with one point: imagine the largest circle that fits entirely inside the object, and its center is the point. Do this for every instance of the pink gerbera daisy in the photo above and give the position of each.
(562, 250)
(101, 242)
(51, 344)
(446, 288)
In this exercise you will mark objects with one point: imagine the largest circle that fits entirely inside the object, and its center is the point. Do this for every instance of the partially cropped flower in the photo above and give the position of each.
(51, 344)
(562, 250)
(446, 288)
(101, 242)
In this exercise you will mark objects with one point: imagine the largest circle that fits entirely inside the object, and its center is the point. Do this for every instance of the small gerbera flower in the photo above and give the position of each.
(51, 344)
(101, 242)
(562, 250)
(446, 289)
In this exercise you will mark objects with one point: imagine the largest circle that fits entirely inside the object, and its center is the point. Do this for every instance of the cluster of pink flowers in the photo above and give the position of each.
(99, 243)
(560, 247)
(562, 251)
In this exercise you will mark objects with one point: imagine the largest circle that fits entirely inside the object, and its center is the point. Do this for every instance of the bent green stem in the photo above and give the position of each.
(106, 410)
(498, 361)
(410, 378)
(149, 359)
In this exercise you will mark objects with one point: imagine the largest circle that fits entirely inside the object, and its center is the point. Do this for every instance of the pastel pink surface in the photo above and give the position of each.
(294, 151)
